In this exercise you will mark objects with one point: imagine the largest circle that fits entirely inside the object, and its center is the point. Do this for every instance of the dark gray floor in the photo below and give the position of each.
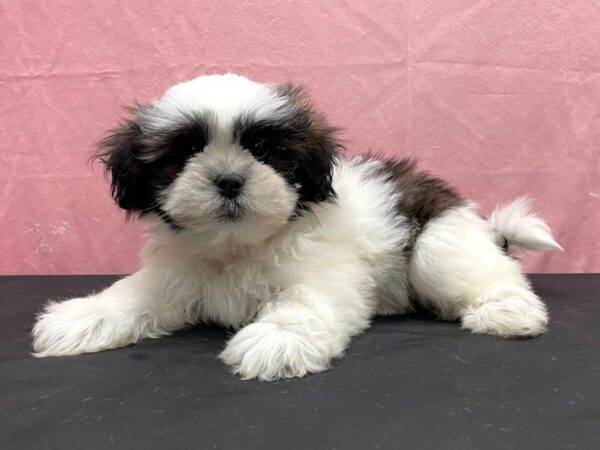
(409, 382)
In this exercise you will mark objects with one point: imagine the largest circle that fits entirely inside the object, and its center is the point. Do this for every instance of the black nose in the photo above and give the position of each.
(229, 185)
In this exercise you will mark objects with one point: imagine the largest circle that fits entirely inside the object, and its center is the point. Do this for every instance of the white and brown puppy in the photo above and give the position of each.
(257, 222)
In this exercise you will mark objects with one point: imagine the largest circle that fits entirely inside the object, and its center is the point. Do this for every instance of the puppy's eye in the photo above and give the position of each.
(191, 146)
(263, 140)
(259, 144)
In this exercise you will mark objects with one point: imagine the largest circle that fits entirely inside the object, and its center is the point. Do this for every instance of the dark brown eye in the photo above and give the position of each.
(259, 144)
(264, 140)
(190, 144)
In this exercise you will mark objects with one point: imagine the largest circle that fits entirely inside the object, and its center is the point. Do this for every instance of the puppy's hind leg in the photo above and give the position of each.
(459, 270)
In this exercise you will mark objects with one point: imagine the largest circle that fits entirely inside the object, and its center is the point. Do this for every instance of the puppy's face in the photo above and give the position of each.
(222, 159)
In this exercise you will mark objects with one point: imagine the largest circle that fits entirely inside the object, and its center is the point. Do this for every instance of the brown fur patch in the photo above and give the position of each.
(318, 128)
(423, 197)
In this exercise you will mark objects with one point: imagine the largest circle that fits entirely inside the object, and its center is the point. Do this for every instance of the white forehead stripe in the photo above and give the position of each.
(224, 97)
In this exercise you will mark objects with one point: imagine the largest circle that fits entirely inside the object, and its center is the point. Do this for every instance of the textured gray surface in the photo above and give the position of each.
(408, 382)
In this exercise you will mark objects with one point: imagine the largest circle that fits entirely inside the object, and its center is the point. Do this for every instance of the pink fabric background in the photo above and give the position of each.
(500, 98)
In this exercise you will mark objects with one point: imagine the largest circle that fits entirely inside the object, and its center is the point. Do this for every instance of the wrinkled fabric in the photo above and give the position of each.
(500, 98)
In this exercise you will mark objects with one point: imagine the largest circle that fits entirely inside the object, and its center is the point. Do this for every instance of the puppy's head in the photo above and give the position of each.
(223, 159)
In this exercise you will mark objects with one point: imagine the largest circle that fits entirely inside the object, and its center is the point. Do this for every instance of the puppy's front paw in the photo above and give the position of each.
(269, 351)
(75, 326)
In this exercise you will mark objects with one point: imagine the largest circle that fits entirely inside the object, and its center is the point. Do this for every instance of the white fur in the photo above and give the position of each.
(521, 228)
(297, 290)
(225, 96)
(461, 273)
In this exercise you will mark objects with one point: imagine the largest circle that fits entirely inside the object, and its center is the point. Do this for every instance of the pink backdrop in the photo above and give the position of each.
(500, 98)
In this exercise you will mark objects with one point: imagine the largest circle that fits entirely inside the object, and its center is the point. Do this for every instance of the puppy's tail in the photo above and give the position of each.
(517, 227)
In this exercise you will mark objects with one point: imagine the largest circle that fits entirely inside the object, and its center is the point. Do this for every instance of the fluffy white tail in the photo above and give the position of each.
(518, 228)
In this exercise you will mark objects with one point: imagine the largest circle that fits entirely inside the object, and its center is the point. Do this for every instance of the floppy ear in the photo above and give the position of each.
(121, 151)
(318, 150)
(315, 172)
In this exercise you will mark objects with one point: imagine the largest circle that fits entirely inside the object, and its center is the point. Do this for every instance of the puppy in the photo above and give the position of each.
(258, 223)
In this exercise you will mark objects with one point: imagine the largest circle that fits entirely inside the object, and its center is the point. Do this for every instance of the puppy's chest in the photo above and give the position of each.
(232, 295)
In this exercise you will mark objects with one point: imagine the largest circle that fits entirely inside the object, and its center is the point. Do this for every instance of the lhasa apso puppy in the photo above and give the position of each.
(259, 223)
